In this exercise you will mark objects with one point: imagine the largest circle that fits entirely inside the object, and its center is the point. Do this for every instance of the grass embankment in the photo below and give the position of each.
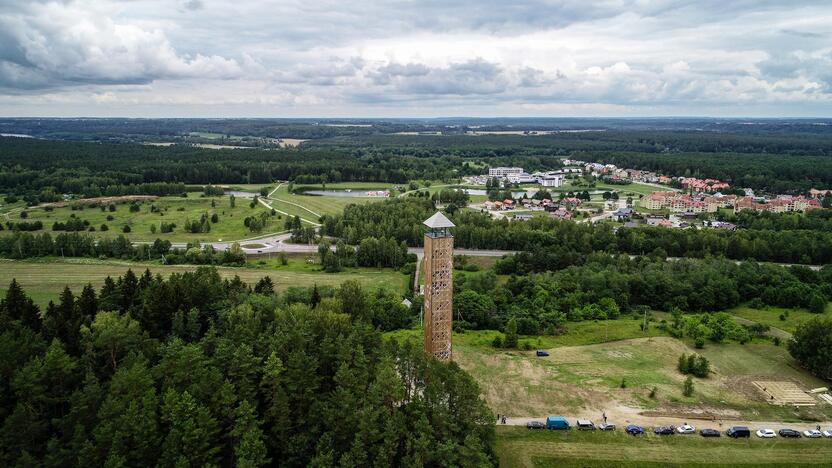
(519, 447)
(175, 210)
(44, 279)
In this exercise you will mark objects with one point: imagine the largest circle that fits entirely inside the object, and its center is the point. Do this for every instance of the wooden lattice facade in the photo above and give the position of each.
(439, 288)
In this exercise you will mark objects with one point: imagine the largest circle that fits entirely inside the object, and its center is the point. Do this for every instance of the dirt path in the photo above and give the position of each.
(622, 416)
(773, 332)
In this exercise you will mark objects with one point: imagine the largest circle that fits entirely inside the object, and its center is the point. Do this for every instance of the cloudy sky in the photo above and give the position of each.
(397, 58)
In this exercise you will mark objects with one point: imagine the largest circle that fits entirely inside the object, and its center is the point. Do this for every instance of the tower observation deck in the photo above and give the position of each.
(439, 287)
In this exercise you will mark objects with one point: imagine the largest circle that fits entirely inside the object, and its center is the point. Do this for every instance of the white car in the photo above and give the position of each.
(827, 433)
(686, 429)
(766, 434)
(812, 434)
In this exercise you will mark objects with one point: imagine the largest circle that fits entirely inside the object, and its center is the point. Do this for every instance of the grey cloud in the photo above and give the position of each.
(58, 45)
(193, 5)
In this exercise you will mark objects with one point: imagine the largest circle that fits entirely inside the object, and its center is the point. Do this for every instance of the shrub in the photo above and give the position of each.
(699, 342)
(653, 393)
(687, 389)
(776, 341)
(497, 342)
(623, 383)
(104, 227)
(126, 229)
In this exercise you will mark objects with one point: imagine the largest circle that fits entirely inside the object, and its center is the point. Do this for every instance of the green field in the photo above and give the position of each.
(520, 447)
(771, 316)
(313, 206)
(43, 279)
(171, 210)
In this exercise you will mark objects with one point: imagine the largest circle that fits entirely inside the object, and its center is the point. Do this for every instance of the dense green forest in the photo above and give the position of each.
(199, 371)
(44, 169)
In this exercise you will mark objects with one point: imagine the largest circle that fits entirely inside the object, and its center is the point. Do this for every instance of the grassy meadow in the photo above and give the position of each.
(588, 364)
(519, 447)
(175, 210)
(44, 279)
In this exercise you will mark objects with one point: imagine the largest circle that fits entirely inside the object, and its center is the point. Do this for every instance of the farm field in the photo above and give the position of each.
(175, 210)
(520, 447)
(45, 278)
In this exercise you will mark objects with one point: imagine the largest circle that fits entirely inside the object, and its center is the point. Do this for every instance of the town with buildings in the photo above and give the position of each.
(676, 203)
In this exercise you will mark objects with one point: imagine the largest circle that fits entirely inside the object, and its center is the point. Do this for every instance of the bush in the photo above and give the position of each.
(126, 229)
(687, 389)
(104, 227)
(623, 383)
(776, 341)
(497, 342)
(699, 342)
(653, 393)
(527, 346)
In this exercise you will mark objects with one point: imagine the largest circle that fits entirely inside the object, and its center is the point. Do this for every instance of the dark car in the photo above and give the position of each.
(535, 425)
(541, 353)
(663, 430)
(789, 433)
(632, 429)
(709, 433)
(738, 431)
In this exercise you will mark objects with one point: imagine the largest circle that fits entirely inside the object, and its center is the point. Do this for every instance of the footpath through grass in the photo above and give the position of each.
(282, 200)
(520, 447)
(771, 316)
(44, 279)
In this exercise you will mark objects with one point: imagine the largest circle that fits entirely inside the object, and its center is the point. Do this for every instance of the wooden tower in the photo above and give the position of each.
(439, 286)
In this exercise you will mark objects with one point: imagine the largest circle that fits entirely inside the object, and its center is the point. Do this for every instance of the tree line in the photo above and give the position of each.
(20, 245)
(552, 244)
(607, 286)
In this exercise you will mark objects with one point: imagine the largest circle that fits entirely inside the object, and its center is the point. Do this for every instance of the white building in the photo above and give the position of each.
(521, 178)
(552, 179)
(504, 171)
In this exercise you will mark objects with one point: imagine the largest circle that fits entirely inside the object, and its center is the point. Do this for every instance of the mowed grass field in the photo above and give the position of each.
(43, 280)
(175, 210)
(520, 447)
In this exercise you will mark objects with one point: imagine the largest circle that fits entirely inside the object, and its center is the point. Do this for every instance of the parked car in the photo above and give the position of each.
(709, 433)
(535, 425)
(827, 433)
(812, 434)
(738, 431)
(791, 433)
(632, 429)
(607, 427)
(766, 434)
(663, 430)
(585, 425)
(686, 429)
(541, 353)
(557, 422)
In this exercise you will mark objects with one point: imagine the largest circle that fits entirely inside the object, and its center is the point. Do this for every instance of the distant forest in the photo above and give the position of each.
(784, 158)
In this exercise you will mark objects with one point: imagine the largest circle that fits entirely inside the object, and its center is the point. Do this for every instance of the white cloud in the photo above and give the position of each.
(430, 57)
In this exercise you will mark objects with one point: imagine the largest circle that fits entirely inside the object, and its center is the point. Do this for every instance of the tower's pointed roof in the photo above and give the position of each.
(438, 221)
